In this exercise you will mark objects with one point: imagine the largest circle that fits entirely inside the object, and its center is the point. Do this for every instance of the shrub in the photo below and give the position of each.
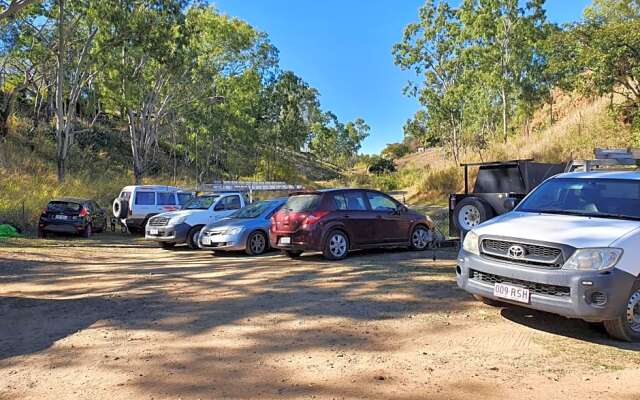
(382, 166)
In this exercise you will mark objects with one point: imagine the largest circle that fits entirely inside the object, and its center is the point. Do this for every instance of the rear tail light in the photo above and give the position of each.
(83, 212)
(315, 217)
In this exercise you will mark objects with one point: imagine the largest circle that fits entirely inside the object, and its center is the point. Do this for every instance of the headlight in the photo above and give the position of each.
(177, 220)
(471, 243)
(233, 231)
(596, 259)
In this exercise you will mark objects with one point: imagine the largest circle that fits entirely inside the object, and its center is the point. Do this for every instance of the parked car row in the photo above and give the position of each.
(333, 222)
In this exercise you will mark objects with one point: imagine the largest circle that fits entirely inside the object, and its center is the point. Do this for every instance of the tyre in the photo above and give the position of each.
(471, 212)
(120, 208)
(167, 246)
(489, 302)
(421, 238)
(88, 231)
(292, 253)
(256, 243)
(42, 234)
(336, 246)
(627, 326)
(193, 237)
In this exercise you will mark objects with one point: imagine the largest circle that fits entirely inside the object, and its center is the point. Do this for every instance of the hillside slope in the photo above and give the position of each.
(581, 125)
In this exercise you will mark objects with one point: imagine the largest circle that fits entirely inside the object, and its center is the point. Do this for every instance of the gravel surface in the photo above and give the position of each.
(116, 318)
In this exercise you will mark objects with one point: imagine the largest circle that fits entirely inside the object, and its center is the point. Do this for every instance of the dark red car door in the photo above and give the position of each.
(351, 210)
(392, 226)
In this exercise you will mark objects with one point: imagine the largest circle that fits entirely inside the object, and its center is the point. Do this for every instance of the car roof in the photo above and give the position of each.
(71, 200)
(630, 175)
(152, 187)
(333, 190)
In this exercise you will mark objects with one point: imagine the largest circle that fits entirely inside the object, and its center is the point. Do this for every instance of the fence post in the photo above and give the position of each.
(24, 219)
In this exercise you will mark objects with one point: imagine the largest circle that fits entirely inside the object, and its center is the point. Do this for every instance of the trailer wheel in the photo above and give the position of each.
(471, 212)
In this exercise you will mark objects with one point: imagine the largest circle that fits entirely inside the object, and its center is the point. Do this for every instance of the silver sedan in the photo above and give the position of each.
(247, 229)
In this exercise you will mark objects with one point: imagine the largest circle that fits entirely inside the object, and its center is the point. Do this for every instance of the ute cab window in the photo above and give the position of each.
(229, 203)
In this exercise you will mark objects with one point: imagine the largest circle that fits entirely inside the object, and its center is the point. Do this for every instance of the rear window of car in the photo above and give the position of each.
(349, 201)
(166, 198)
(145, 198)
(303, 202)
(63, 206)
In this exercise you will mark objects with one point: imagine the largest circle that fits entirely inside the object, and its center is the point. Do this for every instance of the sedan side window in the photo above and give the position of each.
(380, 202)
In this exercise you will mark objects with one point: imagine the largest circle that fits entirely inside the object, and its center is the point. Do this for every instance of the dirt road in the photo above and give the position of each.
(112, 318)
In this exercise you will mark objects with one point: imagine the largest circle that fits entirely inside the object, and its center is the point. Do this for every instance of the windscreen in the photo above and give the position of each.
(302, 202)
(596, 197)
(63, 206)
(200, 203)
(254, 210)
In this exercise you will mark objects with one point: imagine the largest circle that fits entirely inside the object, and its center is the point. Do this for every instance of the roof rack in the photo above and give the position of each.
(495, 162)
(247, 187)
(606, 158)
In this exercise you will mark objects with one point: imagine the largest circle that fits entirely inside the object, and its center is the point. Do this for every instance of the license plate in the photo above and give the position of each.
(206, 240)
(510, 292)
(62, 217)
(153, 231)
(285, 240)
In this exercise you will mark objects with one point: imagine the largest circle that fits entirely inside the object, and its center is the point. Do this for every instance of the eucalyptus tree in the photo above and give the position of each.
(606, 47)
(503, 42)
(433, 48)
(141, 45)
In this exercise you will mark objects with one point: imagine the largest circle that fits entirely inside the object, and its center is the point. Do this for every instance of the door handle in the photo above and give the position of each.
(379, 216)
(346, 216)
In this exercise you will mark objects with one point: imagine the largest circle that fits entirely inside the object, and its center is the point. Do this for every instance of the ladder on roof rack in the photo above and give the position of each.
(248, 187)
(606, 158)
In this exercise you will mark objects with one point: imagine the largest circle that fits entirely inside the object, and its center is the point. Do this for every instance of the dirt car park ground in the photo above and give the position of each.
(116, 318)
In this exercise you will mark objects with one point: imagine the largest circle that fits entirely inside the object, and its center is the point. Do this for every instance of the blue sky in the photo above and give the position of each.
(343, 49)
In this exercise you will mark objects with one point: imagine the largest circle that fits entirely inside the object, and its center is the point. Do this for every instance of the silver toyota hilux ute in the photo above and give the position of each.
(571, 247)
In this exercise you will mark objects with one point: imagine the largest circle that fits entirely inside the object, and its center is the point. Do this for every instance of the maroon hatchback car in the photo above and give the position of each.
(338, 220)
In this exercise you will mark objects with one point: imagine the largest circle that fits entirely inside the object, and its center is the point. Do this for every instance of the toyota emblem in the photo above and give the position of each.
(516, 251)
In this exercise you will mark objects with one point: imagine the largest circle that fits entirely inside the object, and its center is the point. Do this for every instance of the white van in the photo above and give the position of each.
(136, 204)
(571, 247)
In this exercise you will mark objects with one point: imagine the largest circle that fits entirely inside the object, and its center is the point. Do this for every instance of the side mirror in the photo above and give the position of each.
(219, 207)
(510, 204)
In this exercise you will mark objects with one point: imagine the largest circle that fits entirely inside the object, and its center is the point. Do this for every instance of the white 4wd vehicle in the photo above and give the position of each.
(571, 247)
(136, 204)
(184, 226)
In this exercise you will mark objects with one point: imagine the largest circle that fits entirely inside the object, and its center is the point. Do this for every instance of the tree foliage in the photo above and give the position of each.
(194, 92)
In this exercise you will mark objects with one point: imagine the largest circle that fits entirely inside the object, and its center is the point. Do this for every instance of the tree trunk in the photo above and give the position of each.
(505, 117)
(59, 97)
(61, 169)
(4, 128)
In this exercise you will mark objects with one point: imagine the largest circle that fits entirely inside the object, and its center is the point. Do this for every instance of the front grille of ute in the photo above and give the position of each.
(159, 221)
(534, 287)
(535, 255)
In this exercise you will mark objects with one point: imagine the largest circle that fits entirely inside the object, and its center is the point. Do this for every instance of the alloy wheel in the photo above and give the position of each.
(338, 245)
(420, 238)
(257, 243)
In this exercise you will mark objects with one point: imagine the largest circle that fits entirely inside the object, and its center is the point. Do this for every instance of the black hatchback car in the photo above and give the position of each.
(72, 215)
